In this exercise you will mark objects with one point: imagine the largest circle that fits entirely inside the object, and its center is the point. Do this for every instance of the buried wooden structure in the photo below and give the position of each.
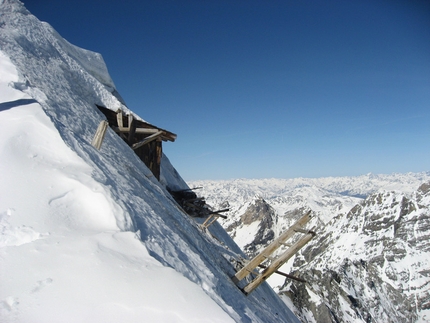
(145, 139)
(277, 262)
(196, 206)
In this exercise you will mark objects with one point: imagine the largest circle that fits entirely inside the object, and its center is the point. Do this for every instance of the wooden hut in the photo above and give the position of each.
(144, 138)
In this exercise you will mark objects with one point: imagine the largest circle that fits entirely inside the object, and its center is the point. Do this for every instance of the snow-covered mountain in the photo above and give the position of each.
(369, 260)
(91, 235)
(370, 265)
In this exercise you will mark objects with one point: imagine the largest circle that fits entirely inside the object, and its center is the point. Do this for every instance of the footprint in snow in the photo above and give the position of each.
(41, 284)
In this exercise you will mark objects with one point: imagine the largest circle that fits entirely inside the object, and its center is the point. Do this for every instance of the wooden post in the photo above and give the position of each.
(284, 274)
(159, 155)
(278, 263)
(100, 134)
(132, 129)
(119, 120)
(211, 219)
(262, 256)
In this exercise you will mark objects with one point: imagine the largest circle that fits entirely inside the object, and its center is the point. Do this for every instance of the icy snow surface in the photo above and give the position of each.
(87, 235)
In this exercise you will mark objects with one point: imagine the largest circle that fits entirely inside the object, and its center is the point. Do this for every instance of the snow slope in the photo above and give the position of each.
(87, 235)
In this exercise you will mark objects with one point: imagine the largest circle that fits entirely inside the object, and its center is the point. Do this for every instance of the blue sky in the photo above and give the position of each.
(259, 89)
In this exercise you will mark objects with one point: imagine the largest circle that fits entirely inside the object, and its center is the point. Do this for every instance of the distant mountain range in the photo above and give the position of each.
(370, 259)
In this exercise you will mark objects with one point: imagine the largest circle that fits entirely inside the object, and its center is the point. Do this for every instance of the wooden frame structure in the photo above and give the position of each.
(145, 139)
(276, 263)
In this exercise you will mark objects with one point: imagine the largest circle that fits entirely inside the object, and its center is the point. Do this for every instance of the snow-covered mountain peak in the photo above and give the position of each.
(374, 259)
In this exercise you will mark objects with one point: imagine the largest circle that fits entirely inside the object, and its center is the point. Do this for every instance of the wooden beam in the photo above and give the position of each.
(147, 130)
(285, 274)
(100, 134)
(272, 247)
(211, 219)
(132, 127)
(147, 140)
(130, 119)
(119, 119)
(214, 216)
(278, 263)
(218, 213)
(159, 155)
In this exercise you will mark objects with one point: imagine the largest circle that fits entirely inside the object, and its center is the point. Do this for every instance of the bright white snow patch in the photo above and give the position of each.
(61, 247)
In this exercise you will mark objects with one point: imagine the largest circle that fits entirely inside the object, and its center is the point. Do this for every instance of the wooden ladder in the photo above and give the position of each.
(277, 262)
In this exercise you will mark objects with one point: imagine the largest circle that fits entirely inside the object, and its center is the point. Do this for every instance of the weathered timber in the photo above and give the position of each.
(147, 140)
(119, 118)
(304, 231)
(272, 247)
(211, 219)
(100, 134)
(133, 130)
(285, 274)
(188, 189)
(213, 216)
(132, 127)
(219, 213)
(276, 264)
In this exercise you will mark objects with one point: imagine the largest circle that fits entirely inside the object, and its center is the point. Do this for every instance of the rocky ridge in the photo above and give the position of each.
(368, 262)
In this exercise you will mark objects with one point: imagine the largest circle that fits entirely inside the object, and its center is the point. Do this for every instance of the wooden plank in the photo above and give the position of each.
(146, 131)
(210, 217)
(214, 216)
(285, 274)
(278, 263)
(132, 127)
(119, 119)
(100, 134)
(130, 119)
(159, 154)
(147, 140)
(219, 211)
(272, 247)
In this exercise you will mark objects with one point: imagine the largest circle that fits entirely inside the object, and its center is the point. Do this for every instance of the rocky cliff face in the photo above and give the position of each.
(370, 265)
(258, 222)
(369, 260)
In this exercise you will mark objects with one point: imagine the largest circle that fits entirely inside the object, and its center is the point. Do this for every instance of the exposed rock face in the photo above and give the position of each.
(262, 212)
(370, 259)
(370, 265)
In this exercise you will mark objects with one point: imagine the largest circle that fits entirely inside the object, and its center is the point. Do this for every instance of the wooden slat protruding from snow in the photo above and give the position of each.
(100, 134)
(285, 275)
(213, 217)
(270, 249)
(277, 263)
